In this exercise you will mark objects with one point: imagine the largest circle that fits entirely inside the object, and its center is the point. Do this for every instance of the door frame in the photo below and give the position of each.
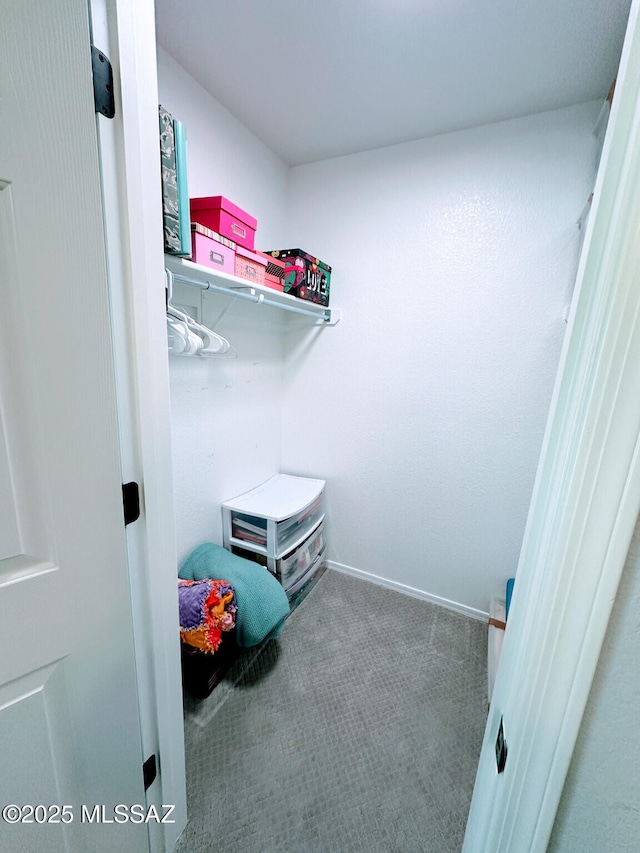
(583, 512)
(130, 156)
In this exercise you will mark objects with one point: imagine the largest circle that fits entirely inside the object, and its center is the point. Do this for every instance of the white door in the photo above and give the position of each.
(584, 509)
(69, 727)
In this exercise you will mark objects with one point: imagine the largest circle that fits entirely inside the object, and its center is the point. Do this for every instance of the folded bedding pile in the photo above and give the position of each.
(262, 602)
(207, 609)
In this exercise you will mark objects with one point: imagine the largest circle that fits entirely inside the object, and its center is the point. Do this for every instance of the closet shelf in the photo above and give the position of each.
(196, 275)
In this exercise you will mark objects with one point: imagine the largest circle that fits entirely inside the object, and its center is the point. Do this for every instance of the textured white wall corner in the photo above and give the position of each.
(599, 805)
(454, 258)
(224, 158)
(424, 408)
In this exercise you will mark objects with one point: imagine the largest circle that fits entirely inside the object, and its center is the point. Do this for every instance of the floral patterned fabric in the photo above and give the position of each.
(207, 609)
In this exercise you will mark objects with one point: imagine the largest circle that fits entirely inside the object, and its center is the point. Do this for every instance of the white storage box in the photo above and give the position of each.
(295, 564)
(280, 525)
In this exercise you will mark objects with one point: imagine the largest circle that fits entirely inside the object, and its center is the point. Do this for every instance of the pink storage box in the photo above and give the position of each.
(218, 213)
(250, 266)
(210, 253)
(273, 282)
(202, 229)
(274, 273)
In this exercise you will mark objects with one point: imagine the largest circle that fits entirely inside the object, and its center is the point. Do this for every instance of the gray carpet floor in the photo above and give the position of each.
(358, 731)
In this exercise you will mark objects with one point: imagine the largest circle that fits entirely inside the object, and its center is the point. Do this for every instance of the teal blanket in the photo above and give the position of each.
(262, 602)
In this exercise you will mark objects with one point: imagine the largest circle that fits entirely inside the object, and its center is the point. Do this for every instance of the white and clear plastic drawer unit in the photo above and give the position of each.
(279, 524)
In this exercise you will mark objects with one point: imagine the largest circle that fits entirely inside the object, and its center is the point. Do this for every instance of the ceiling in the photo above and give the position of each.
(315, 79)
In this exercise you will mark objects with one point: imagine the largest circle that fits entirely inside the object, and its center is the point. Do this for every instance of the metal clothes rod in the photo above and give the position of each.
(324, 315)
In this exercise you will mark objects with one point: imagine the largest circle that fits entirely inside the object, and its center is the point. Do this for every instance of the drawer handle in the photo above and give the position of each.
(238, 229)
(216, 257)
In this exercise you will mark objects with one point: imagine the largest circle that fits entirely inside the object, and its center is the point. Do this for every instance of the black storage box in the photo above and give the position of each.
(305, 276)
(201, 671)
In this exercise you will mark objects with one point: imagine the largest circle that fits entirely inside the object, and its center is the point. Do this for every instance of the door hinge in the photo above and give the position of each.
(501, 748)
(102, 83)
(130, 502)
(149, 771)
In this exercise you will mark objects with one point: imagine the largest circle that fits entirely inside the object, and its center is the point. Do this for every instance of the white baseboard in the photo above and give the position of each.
(410, 590)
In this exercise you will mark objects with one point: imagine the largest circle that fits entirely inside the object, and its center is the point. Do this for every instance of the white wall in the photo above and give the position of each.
(599, 808)
(225, 413)
(454, 258)
(224, 157)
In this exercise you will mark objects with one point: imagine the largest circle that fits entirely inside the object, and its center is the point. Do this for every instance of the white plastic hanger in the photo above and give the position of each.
(181, 340)
(187, 337)
(211, 342)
